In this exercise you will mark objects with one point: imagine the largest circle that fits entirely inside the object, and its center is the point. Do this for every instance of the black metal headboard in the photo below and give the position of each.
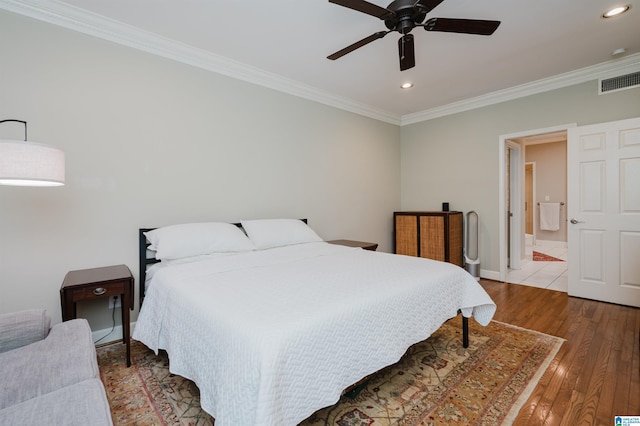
(144, 261)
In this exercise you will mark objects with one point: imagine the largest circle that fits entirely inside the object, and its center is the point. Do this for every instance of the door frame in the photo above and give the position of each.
(533, 199)
(515, 194)
(505, 142)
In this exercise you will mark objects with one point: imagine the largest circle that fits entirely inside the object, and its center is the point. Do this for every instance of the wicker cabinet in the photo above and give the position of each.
(435, 235)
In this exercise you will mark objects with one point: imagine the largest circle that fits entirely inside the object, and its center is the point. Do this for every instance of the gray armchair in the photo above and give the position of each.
(49, 375)
(23, 328)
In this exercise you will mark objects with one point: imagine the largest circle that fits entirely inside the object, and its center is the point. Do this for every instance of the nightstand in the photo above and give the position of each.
(89, 284)
(350, 243)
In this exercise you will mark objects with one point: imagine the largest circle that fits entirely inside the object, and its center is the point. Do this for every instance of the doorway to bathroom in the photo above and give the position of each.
(535, 176)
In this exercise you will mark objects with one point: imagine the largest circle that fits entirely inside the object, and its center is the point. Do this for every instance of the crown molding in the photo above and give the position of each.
(71, 17)
(74, 18)
(625, 65)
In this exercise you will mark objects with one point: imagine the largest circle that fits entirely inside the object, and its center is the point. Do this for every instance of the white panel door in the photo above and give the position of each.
(604, 212)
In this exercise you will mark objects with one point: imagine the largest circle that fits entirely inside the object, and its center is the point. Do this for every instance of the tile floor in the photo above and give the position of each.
(550, 275)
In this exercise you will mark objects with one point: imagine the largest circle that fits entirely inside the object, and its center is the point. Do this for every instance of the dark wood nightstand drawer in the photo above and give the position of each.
(98, 291)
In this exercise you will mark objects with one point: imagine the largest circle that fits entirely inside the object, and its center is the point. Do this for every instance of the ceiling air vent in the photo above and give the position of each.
(621, 82)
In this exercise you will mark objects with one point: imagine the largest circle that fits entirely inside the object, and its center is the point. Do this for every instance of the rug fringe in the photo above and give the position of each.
(535, 379)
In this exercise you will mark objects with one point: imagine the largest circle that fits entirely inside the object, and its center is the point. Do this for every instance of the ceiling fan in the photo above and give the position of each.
(403, 16)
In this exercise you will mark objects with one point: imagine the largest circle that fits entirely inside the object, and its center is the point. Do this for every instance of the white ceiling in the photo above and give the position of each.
(284, 44)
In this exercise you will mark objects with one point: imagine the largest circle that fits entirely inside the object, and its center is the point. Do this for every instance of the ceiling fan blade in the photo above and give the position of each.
(465, 26)
(428, 5)
(406, 52)
(357, 44)
(365, 7)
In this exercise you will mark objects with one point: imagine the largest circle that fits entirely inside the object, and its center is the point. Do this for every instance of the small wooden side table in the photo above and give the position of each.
(88, 284)
(350, 243)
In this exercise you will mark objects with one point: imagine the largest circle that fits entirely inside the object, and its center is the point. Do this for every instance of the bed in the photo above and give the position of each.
(272, 323)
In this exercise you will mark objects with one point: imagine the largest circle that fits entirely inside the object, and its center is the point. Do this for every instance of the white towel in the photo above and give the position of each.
(549, 216)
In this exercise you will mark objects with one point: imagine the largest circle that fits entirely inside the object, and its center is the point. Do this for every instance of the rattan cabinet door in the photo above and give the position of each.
(406, 238)
(434, 235)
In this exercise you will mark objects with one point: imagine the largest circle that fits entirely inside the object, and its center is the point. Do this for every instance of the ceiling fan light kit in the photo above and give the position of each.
(402, 16)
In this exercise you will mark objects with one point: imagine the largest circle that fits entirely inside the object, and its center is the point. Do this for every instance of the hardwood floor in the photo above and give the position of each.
(596, 374)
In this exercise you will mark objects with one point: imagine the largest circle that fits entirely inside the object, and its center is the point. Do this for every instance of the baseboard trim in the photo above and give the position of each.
(490, 275)
(107, 336)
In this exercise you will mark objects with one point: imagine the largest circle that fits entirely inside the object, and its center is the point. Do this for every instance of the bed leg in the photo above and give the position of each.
(465, 332)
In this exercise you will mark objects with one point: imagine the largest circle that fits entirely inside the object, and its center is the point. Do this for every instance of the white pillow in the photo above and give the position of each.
(268, 233)
(194, 239)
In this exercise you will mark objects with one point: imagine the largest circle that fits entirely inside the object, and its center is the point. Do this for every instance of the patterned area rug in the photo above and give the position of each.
(437, 382)
(541, 257)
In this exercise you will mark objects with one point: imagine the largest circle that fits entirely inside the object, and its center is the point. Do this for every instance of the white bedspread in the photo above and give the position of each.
(272, 336)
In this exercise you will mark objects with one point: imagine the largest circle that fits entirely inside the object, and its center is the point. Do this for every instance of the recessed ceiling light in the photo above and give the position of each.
(407, 85)
(616, 11)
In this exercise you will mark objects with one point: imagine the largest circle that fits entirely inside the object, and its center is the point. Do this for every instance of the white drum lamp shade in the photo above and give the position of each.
(25, 163)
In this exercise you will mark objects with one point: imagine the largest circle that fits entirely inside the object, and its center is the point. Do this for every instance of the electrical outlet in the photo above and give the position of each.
(114, 302)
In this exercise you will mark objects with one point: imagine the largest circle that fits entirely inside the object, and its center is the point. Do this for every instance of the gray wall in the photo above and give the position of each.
(152, 142)
(455, 158)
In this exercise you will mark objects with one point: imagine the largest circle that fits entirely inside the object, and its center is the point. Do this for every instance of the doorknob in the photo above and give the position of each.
(574, 221)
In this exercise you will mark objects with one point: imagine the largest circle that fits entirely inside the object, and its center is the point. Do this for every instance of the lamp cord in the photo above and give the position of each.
(113, 325)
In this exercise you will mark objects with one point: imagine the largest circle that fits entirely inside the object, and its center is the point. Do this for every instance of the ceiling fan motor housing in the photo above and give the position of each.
(406, 17)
